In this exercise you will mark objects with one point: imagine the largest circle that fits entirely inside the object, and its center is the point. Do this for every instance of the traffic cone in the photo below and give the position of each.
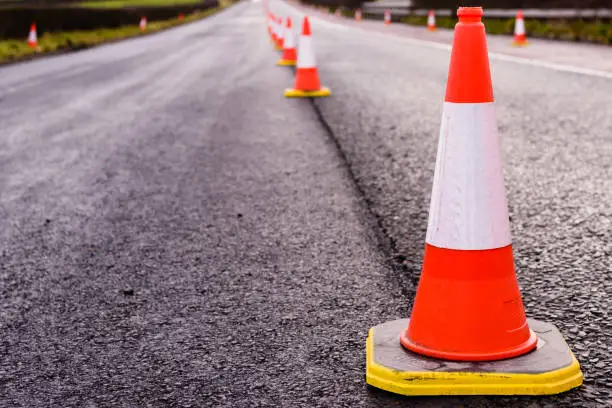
(468, 305)
(307, 82)
(338, 13)
(520, 39)
(279, 34)
(358, 15)
(143, 24)
(387, 17)
(180, 16)
(289, 52)
(33, 37)
(272, 28)
(431, 20)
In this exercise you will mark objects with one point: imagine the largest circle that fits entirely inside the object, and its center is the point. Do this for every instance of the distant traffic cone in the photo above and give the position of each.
(338, 13)
(431, 20)
(307, 82)
(289, 52)
(387, 17)
(33, 37)
(272, 28)
(468, 305)
(181, 16)
(520, 39)
(358, 15)
(279, 34)
(143, 24)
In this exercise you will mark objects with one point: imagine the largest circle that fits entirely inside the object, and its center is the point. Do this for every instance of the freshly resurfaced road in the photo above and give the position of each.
(173, 232)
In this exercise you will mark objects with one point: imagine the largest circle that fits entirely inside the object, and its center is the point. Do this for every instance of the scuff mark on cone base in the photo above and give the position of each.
(550, 369)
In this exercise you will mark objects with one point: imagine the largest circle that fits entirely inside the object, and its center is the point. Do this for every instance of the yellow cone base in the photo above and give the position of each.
(285, 63)
(296, 93)
(550, 369)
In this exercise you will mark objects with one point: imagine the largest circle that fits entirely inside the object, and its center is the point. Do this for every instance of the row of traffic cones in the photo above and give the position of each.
(468, 332)
(307, 83)
(520, 38)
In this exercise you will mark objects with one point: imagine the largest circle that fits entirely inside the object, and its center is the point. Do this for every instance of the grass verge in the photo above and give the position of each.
(16, 50)
(134, 3)
(599, 32)
(575, 30)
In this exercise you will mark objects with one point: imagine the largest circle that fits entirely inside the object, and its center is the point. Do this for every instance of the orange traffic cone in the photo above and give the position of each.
(431, 20)
(358, 15)
(387, 17)
(279, 34)
(180, 16)
(272, 28)
(520, 39)
(289, 52)
(143, 24)
(307, 82)
(33, 37)
(468, 305)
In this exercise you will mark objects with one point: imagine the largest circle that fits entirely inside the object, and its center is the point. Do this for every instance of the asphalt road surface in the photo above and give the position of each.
(174, 232)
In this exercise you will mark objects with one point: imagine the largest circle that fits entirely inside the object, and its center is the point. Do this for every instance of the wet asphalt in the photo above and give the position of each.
(174, 232)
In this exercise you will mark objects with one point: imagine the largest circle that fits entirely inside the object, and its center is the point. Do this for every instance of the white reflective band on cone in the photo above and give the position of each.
(306, 58)
(519, 27)
(280, 33)
(468, 208)
(32, 36)
(289, 38)
(431, 20)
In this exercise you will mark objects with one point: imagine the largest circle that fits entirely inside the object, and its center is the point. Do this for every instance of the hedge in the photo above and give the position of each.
(15, 21)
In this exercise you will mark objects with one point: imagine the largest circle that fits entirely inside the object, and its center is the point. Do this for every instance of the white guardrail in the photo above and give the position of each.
(404, 8)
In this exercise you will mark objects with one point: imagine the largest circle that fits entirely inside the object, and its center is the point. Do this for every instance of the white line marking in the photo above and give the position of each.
(551, 65)
(501, 57)
(315, 19)
(328, 24)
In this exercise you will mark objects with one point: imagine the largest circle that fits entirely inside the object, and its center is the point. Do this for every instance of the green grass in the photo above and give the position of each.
(134, 3)
(575, 30)
(11, 50)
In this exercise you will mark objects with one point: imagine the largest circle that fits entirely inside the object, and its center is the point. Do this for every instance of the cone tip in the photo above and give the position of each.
(306, 26)
(519, 14)
(470, 14)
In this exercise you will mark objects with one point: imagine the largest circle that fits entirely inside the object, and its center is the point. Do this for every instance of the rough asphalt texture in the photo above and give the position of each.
(173, 232)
